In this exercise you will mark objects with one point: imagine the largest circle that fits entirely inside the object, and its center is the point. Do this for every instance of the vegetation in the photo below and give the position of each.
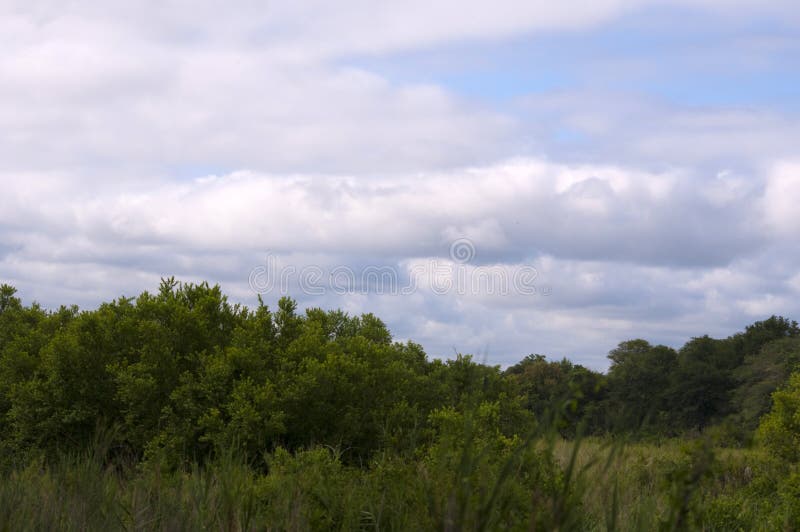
(178, 410)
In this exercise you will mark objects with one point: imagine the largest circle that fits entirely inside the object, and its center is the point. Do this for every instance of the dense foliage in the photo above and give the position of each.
(318, 419)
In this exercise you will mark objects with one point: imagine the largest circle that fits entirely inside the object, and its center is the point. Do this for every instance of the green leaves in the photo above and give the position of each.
(181, 373)
(780, 428)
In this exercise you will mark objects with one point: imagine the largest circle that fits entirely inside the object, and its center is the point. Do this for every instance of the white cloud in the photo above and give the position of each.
(781, 202)
(794, 283)
(618, 251)
(164, 85)
(765, 305)
(512, 209)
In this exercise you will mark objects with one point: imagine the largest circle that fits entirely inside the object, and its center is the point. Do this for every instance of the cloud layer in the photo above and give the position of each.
(190, 140)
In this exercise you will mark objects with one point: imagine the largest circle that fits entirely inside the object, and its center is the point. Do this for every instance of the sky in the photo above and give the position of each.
(493, 178)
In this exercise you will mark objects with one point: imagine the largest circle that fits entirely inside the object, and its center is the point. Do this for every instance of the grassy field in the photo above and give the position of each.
(594, 485)
(675, 484)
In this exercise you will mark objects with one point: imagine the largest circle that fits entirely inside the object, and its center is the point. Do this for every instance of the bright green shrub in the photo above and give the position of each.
(779, 430)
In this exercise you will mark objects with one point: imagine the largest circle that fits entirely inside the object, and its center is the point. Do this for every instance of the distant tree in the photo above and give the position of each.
(560, 389)
(702, 382)
(7, 299)
(760, 333)
(639, 382)
(758, 377)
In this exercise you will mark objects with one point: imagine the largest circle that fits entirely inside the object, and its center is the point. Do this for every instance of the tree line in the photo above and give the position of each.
(175, 374)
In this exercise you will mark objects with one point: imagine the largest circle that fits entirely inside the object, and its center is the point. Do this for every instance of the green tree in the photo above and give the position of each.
(702, 382)
(758, 377)
(639, 384)
(560, 389)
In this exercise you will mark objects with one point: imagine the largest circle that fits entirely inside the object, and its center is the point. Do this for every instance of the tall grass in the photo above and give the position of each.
(541, 483)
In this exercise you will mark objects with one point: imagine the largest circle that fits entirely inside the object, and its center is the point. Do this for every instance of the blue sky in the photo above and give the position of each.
(679, 55)
(639, 155)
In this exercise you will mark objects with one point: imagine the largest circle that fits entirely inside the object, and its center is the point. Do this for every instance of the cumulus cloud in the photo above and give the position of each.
(520, 208)
(616, 250)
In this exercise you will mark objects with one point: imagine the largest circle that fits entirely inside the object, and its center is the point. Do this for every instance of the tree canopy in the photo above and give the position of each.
(175, 374)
